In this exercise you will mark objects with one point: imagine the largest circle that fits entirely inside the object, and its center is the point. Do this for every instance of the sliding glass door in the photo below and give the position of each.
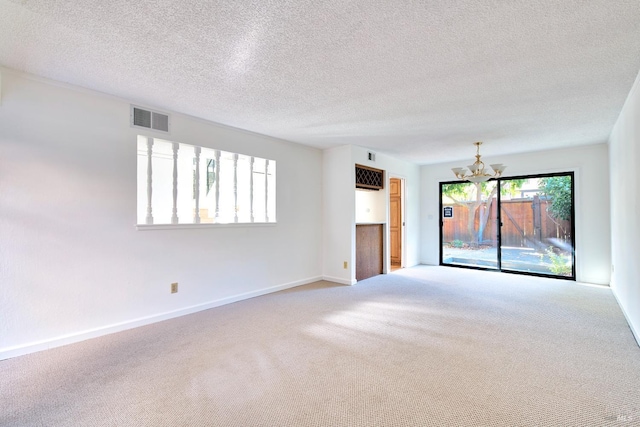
(469, 233)
(537, 225)
(522, 224)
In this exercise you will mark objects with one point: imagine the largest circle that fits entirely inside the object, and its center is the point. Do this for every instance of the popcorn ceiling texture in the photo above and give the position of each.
(419, 80)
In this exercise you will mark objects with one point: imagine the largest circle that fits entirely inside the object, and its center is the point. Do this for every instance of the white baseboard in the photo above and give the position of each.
(339, 280)
(635, 333)
(20, 350)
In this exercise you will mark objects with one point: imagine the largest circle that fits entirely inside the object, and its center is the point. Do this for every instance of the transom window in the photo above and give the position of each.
(186, 184)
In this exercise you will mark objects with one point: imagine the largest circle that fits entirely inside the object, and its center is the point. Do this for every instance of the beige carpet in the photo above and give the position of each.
(427, 346)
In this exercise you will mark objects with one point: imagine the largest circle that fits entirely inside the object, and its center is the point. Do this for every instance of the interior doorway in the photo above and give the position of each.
(396, 223)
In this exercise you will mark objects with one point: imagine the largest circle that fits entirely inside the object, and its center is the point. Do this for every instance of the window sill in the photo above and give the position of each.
(145, 227)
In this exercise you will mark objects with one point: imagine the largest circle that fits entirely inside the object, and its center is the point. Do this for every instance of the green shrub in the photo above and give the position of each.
(457, 244)
(559, 264)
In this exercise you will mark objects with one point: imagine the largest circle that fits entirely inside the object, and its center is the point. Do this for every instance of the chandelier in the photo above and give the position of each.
(478, 173)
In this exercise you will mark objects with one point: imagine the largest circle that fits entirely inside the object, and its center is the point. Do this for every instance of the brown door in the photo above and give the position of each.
(395, 229)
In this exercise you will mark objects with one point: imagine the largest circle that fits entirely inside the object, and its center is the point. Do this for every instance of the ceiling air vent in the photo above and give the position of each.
(149, 119)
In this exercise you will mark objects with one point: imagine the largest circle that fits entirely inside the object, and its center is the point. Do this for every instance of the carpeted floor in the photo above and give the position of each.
(426, 346)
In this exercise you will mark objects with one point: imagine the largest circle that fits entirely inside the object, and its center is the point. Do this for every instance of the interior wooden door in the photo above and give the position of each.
(395, 220)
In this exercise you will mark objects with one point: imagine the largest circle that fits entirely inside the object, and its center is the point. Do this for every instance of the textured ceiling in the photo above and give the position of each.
(416, 79)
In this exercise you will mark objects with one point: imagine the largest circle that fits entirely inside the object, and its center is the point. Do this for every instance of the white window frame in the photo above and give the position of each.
(174, 188)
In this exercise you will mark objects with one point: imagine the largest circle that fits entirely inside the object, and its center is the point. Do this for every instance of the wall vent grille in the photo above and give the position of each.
(149, 119)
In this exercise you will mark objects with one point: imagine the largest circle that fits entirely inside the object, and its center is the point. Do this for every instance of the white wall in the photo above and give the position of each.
(624, 158)
(592, 240)
(339, 209)
(371, 206)
(72, 264)
(339, 214)
(410, 172)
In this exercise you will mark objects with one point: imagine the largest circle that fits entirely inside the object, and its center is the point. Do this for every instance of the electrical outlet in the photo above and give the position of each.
(174, 287)
(344, 265)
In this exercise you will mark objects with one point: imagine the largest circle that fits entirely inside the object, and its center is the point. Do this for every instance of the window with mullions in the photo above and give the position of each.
(520, 224)
(185, 184)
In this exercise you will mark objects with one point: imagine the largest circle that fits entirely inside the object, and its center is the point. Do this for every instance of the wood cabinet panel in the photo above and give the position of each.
(368, 251)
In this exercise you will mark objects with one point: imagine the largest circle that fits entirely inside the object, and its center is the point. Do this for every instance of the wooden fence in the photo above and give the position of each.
(526, 224)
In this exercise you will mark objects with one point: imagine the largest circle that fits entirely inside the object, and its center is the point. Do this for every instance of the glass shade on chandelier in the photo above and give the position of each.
(477, 169)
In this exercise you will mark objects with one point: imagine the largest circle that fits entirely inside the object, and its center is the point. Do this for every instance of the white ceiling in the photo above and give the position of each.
(417, 79)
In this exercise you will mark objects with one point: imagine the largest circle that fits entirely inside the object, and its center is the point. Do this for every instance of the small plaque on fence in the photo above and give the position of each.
(447, 212)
